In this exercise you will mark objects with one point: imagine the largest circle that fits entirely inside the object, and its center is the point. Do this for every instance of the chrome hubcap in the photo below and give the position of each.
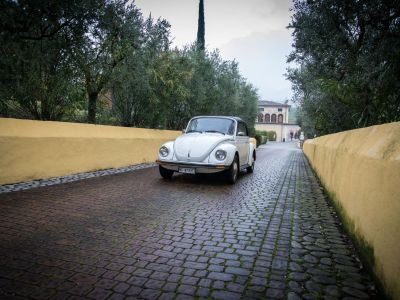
(235, 170)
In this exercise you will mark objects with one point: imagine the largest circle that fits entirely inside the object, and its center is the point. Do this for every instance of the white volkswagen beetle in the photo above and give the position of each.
(210, 144)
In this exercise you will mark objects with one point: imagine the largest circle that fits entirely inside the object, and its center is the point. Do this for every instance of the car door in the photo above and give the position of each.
(242, 142)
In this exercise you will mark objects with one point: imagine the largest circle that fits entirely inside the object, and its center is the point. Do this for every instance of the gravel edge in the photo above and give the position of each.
(70, 178)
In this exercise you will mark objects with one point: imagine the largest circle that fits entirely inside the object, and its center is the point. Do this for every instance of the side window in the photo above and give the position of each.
(231, 130)
(242, 128)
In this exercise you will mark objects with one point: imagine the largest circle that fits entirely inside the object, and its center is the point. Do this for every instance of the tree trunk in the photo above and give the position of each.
(92, 107)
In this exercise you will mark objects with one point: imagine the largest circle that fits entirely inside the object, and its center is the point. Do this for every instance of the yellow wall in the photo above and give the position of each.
(361, 170)
(37, 149)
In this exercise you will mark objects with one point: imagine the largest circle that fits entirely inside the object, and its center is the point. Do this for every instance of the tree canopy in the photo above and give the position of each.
(104, 62)
(348, 54)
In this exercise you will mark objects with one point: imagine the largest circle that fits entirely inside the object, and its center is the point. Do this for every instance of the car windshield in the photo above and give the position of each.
(218, 125)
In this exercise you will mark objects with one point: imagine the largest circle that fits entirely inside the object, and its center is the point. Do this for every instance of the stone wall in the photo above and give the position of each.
(360, 169)
(37, 149)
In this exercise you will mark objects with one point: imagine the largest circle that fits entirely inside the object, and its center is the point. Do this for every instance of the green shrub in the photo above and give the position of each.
(258, 139)
(263, 139)
(271, 136)
(262, 132)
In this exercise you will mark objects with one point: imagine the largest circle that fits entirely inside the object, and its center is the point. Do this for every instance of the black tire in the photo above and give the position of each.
(250, 169)
(233, 172)
(165, 173)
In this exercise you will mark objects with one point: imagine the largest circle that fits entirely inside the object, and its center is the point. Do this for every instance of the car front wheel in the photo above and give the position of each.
(165, 173)
(233, 172)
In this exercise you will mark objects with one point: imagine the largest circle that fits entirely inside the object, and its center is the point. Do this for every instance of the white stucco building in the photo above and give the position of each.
(275, 116)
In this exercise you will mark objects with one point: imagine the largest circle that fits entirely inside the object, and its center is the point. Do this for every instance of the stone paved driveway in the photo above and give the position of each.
(271, 236)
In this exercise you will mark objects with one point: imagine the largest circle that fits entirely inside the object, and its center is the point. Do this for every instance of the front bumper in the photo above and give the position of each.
(199, 167)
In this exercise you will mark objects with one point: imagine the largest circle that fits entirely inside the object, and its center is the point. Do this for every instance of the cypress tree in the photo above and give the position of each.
(201, 27)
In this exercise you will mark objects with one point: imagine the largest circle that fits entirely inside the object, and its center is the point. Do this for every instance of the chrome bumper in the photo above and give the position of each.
(199, 167)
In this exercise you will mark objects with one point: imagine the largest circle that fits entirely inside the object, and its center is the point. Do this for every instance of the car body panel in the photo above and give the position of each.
(242, 143)
(196, 146)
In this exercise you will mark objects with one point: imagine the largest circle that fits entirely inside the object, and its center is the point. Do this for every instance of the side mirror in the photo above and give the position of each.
(240, 133)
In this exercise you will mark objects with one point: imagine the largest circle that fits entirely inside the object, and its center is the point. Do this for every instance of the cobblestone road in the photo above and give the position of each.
(273, 235)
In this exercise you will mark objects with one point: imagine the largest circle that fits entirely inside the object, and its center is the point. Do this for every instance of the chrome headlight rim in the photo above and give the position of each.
(164, 151)
(220, 154)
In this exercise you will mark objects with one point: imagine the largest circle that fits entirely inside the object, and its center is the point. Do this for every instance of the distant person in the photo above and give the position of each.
(301, 138)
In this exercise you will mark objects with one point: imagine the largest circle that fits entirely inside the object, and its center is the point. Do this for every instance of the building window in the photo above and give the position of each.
(267, 118)
(280, 118)
(261, 109)
(273, 118)
(260, 118)
(279, 109)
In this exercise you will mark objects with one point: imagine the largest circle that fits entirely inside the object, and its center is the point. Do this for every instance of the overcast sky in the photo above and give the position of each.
(253, 32)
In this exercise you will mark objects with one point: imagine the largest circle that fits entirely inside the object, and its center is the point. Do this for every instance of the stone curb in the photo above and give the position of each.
(70, 178)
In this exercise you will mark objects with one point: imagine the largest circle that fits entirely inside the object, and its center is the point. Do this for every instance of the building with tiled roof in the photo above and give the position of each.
(278, 117)
(272, 103)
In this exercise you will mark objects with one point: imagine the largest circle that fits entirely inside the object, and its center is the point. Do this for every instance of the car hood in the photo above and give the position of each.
(195, 147)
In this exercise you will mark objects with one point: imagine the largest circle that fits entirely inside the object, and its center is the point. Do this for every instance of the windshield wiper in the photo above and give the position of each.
(216, 131)
(189, 131)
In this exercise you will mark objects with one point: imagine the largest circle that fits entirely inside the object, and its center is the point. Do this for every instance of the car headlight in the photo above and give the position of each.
(220, 154)
(164, 151)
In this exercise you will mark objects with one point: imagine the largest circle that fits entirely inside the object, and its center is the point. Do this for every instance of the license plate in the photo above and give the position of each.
(187, 170)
